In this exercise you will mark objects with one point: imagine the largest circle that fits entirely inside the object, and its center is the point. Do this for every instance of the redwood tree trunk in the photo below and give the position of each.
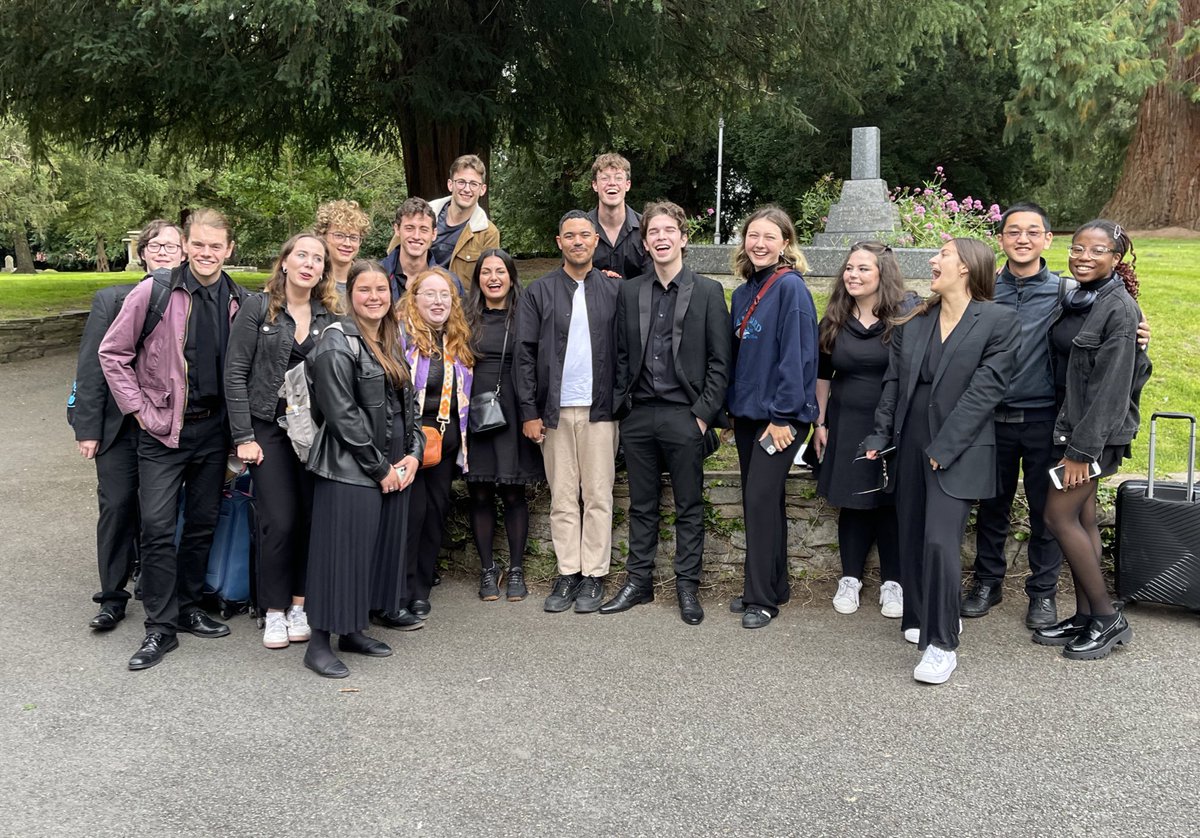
(101, 255)
(431, 147)
(1160, 181)
(24, 257)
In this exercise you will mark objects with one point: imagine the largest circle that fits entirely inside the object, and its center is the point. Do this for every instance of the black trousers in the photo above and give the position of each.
(118, 524)
(858, 529)
(932, 524)
(283, 493)
(657, 436)
(428, 507)
(764, 477)
(1020, 447)
(173, 579)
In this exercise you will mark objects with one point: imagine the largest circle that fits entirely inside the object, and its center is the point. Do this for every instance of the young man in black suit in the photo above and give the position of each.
(673, 357)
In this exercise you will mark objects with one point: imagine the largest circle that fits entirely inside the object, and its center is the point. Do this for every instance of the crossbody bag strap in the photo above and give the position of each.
(443, 415)
(741, 328)
(503, 352)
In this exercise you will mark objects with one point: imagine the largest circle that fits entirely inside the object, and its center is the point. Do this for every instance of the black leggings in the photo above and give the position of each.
(858, 529)
(483, 520)
(1071, 519)
(283, 491)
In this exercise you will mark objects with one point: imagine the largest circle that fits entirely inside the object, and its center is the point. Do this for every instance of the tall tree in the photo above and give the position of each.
(27, 198)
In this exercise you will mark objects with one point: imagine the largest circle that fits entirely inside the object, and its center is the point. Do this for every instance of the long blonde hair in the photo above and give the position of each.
(791, 255)
(458, 335)
(276, 288)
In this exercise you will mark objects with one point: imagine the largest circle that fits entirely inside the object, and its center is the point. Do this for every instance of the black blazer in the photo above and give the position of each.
(700, 343)
(977, 363)
(96, 415)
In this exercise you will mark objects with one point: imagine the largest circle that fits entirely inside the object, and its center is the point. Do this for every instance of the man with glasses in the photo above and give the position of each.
(409, 252)
(463, 230)
(620, 251)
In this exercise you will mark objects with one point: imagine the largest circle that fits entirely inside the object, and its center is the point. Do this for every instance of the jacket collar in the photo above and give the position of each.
(478, 222)
(1043, 275)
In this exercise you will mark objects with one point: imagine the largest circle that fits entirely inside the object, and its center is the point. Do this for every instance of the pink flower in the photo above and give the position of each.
(946, 237)
(927, 192)
(710, 211)
(928, 226)
(939, 170)
(824, 219)
(952, 206)
(919, 210)
(978, 204)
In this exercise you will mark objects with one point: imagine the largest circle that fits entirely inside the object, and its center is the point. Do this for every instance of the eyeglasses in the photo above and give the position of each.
(340, 238)
(883, 470)
(472, 185)
(603, 179)
(435, 296)
(163, 247)
(1098, 250)
(1032, 235)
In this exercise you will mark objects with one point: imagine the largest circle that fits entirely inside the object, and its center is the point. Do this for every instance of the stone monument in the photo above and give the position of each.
(130, 241)
(864, 211)
(9, 266)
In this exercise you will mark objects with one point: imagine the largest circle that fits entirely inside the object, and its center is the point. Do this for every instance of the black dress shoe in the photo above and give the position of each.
(1061, 633)
(631, 594)
(515, 585)
(110, 614)
(325, 663)
(152, 650)
(566, 589)
(980, 600)
(1097, 640)
(359, 644)
(201, 625)
(736, 606)
(754, 617)
(690, 610)
(402, 620)
(1042, 613)
(437, 579)
(420, 607)
(591, 594)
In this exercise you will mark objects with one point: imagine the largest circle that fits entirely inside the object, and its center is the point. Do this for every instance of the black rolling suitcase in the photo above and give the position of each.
(1158, 534)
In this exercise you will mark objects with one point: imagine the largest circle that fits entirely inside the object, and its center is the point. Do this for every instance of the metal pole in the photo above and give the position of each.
(720, 155)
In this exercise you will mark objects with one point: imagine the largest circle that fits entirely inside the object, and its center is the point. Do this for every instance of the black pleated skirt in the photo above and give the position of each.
(341, 555)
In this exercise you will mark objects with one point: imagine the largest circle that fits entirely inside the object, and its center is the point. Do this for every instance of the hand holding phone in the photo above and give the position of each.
(1057, 473)
(776, 438)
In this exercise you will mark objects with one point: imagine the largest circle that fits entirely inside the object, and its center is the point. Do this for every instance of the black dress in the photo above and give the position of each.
(855, 369)
(506, 455)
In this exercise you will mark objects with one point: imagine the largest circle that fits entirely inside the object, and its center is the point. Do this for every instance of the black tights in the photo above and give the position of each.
(1071, 519)
(483, 520)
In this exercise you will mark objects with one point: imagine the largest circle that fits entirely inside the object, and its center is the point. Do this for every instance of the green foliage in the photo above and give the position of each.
(930, 215)
(813, 207)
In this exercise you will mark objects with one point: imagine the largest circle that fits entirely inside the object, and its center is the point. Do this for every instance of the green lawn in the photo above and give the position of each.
(37, 295)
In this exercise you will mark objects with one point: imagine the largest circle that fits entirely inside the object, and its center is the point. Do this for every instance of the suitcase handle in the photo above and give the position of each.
(1191, 476)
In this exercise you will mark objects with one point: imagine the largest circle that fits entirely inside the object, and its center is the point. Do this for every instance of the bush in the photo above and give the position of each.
(931, 215)
(814, 206)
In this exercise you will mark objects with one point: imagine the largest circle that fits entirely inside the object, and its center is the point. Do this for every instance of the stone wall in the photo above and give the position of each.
(37, 336)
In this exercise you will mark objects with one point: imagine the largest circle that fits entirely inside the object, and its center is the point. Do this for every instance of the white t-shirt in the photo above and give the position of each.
(577, 365)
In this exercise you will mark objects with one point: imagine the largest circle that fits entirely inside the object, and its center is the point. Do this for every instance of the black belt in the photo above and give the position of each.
(199, 414)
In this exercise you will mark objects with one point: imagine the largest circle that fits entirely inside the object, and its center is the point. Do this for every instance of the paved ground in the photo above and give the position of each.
(501, 720)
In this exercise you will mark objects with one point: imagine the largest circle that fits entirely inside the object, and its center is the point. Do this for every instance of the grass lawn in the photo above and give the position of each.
(37, 295)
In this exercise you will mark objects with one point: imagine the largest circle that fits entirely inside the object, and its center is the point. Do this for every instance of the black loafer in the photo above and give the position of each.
(1063, 632)
(1096, 641)
(325, 664)
(152, 650)
(110, 614)
(420, 607)
(753, 617)
(631, 594)
(690, 610)
(201, 625)
(359, 644)
(1042, 613)
(980, 600)
(736, 606)
(402, 620)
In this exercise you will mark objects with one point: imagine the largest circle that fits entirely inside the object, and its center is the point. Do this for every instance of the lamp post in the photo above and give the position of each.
(720, 155)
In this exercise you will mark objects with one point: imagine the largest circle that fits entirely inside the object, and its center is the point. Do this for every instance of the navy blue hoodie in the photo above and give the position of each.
(775, 362)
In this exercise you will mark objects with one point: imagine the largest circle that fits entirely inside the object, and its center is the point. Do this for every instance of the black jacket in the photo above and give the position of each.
(1105, 375)
(96, 415)
(256, 360)
(543, 320)
(349, 391)
(969, 382)
(700, 342)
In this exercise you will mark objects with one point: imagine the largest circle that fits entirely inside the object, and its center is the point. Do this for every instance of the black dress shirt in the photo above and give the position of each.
(658, 381)
(627, 255)
(207, 337)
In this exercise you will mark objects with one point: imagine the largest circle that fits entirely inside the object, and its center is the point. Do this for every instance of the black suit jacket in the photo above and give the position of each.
(977, 363)
(701, 342)
(96, 415)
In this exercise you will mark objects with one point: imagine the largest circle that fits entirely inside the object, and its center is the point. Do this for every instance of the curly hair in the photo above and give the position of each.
(791, 254)
(345, 214)
(276, 287)
(458, 335)
(888, 298)
(1121, 244)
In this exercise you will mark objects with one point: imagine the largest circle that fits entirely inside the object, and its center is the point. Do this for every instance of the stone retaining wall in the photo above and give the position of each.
(34, 337)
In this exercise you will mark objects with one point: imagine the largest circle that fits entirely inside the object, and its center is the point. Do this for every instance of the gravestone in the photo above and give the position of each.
(864, 211)
(130, 241)
(9, 266)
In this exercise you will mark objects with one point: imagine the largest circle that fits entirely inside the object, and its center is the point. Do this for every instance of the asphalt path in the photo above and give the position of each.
(500, 720)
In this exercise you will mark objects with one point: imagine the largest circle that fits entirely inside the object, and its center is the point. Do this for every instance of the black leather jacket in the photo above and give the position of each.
(256, 360)
(349, 391)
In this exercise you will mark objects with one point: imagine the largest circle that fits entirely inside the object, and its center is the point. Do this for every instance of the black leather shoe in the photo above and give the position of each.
(1096, 641)
(562, 597)
(201, 625)
(325, 663)
(980, 600)
(152, 650)
(1062, 633)
(437, 579)
(402, 620)
(515, 585)
(754, 618)
(1042, 613)
(420, 607)
(110, 614)
(736, 606)
(591, 594)
(690, 610)
(631, 594)
(489, 588)
(359, 644)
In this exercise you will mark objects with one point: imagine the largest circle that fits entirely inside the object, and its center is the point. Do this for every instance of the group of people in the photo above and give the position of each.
(437, 362)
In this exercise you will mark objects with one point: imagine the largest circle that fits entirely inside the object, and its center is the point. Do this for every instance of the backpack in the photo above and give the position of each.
(301, 419)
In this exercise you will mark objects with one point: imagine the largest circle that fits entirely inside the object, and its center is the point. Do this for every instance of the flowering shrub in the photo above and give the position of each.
(814, 206)
(700, 227)
(930, 215)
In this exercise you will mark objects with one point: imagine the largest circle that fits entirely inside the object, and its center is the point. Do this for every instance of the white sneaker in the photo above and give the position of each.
(936, 666)
(297, 624)
(891, 600)
(913, 635)
(275, 634)
(845, 601)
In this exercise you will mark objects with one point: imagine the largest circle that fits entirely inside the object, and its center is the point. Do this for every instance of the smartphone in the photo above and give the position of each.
(768, 444)
(1056, 473)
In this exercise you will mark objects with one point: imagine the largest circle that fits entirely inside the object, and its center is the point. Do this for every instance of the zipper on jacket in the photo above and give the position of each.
(183, 353)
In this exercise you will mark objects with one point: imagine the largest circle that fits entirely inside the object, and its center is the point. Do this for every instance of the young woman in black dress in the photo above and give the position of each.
(366, 452)
(854, 336)
(1099, 372)
(504, 461)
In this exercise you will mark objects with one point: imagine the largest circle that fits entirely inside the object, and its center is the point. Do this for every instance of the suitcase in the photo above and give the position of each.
(227, 580)
(1158, 533)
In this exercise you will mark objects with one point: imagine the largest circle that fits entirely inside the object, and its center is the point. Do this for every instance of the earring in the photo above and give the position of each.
(284, 270)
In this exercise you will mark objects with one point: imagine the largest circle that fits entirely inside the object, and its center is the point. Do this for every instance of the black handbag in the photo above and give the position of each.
(486, 413)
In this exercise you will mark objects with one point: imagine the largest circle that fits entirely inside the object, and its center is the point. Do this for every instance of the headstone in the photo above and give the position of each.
(864, 210)
(130, 241)
(9, 266)
(864, 154)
